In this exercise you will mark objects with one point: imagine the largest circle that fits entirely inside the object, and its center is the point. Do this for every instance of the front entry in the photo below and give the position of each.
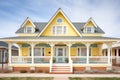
(60, 54)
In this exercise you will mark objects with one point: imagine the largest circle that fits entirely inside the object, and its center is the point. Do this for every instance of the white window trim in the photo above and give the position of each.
(59, 22)
(32, 29)
(41, 50)
(92, 29)
(55, 27)
(64, 47)
(80, 50)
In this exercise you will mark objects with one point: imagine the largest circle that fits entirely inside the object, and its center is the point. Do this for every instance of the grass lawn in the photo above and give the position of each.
(76, 78)
(26, 78)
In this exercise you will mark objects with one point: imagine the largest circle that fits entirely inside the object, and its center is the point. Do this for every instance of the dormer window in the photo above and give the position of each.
(28, 30)
(89, 29)
(59, 20)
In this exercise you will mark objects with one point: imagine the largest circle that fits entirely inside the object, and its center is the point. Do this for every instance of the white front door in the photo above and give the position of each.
(60, 54)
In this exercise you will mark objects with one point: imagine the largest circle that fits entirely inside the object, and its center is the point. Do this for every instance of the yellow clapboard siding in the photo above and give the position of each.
(70, 30)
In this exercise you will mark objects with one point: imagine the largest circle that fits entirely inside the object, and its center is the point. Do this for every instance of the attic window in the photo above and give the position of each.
(28, 30)
(59, 20)
(89, 29)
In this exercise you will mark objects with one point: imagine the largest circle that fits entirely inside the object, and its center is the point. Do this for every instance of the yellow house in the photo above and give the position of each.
(60, 46)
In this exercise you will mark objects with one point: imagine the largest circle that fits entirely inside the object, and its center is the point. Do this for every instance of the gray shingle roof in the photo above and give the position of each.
(5, 45)
(40, 26)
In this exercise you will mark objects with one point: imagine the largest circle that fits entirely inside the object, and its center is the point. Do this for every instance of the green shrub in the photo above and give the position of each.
(32, 71)
(23, 71)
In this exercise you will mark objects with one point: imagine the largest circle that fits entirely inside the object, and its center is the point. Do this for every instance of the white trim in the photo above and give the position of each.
(56, 33)
(59, 10)
(90, 19)
(28, 19)
(86, 50)
(40, 51)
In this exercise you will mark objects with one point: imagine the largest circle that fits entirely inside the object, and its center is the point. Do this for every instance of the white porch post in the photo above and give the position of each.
(10, 50)
(10, 56)
(109, 57)
(69, 53)
(32, 56)
(32, 52)
(87, 60)
(117, 53)
(52, 53)
(19, 50)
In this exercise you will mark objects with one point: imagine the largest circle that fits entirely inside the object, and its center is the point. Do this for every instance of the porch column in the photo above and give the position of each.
(10, 50)
(109, 57)
(19, 50)
(117, 54)
(87, 60)
(32, 52)
(52, 47)
(69, 53)
(10, 56)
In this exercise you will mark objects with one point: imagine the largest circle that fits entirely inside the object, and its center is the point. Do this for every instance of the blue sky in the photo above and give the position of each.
(106, 13)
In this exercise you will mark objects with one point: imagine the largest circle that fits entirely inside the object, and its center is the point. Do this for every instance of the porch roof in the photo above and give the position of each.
(60, 38)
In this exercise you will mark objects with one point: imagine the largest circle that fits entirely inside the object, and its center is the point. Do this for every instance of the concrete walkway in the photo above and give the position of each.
(56, 75)
(61, 78)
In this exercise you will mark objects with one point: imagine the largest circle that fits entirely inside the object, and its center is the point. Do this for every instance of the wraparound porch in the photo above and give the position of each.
(61, 53)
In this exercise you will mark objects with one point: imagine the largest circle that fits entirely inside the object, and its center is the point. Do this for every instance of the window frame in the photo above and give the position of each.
(41, 51)
(59, 19)
(79, 52)
(92, 29)
(29, 28)
(63, 30)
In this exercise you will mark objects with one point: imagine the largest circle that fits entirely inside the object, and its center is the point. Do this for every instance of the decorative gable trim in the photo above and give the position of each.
(28, 19)
(90, 19)
(59, 10)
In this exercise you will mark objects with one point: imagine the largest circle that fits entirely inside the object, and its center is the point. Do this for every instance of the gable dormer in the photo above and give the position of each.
(91, 29)
(59, 25)
(27, 28)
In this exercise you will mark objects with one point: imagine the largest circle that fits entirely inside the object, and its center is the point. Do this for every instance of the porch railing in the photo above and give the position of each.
(41, 59)
(92, 59)
(21, 59)
(98, 59)
(28, 59)
(79, 59)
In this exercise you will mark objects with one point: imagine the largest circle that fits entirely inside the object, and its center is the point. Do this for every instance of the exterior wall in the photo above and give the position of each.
(25, 51)
(73, 51)
(94, 51)
(90, 24)
(48, 30)
(47, 50)
(16, 69)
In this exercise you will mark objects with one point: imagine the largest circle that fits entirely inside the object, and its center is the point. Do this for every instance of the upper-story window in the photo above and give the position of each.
(59, 30)
(28, 30)
(59, 20)
(89, 29)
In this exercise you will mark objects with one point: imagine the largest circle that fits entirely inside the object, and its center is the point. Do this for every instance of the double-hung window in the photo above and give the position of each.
(89, 30)
(28, 30)
(57, 30)
(39, 52)
(82, 51)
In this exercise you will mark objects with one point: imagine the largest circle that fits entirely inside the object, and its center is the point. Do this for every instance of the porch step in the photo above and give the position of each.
(61, 70)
